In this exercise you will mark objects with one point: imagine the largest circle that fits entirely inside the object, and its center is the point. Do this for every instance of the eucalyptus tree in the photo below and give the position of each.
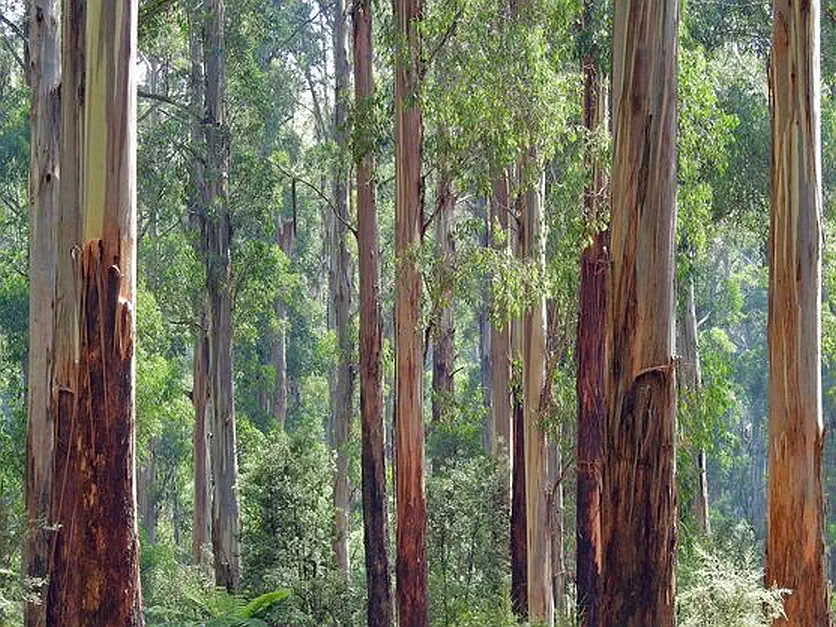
(94, 575)
(411, 568)
(44, 179)
(373, 458)
(591, 333)
(638, 504)
(795, 554)
(217, 249)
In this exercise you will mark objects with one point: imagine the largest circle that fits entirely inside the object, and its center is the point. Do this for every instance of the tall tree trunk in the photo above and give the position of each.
(690, 382)
(344, 393)
(533, 249)
(591, 350)
(444, 346)
(638, 502)
(217, 240)
(373, 459)
(501, 336)
(45, 121)
(411, 505)
(795, 555)
(95, 573)
(201, 387)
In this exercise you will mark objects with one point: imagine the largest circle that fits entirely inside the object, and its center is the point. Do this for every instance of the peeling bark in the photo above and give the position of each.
(95, 572)
(638, 501)
(795, 556)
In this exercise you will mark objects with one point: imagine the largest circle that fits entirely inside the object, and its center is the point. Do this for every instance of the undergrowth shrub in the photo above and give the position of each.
(721, 584)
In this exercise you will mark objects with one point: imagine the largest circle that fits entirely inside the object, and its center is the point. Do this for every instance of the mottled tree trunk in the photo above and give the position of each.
(591, 349)
(638, 502)
(95, 572)
(795, 556)
(411, 505)
(444, 340)
(343, 273)
(45, 121)
(373, 459)
(217, 242)
(533, 249)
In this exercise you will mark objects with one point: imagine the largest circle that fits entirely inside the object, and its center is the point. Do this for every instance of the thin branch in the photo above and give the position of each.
(15, 28)
(318, 192)
(142, 93)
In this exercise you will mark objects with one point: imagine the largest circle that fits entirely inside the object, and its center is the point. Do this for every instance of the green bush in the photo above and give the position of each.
(721, 585)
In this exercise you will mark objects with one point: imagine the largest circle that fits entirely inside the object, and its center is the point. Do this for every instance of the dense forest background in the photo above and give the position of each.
(490, 84)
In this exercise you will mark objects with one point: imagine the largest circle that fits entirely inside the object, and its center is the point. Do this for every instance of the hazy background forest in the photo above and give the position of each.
(490, 85)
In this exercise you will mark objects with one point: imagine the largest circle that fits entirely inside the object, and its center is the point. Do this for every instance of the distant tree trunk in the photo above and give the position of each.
(533, 249)
(638, 502)
(95, 573)
(44, 207)
(217, 239)
(483, 214)
(501, 336)
(286, 239)
(795, 555)
(146, 492)
(591, 352)
(344, 392)
(373, 459)
(690, 382)
(444, 346)
(409, 424)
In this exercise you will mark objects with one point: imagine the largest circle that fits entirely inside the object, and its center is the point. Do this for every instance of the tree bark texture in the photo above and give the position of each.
(533, 249)
(592, 411)
(795, 557)
(373, 460)
(411, 570)
(342, 303)
(638, 504)
(591, 350)
(44, 207)
(217, 241)
(95, 573)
